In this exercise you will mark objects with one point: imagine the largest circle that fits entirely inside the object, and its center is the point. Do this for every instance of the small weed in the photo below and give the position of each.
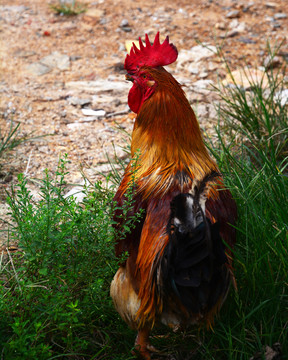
(68, 8)
(12, 138)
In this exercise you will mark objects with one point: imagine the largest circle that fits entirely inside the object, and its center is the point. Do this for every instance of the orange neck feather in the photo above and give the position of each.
(167, 135)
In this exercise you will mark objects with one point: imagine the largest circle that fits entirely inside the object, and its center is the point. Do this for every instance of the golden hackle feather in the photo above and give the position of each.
(167, 135)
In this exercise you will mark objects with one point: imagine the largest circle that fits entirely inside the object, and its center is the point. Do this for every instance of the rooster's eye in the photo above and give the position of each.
(144, 76)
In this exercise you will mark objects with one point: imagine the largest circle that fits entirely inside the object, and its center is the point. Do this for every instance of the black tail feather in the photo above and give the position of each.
(193, 265)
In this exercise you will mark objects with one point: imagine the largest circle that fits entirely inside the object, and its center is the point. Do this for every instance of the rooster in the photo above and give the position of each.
(178, 270)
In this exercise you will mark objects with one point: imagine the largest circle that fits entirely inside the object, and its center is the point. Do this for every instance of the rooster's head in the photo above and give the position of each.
(138, 63)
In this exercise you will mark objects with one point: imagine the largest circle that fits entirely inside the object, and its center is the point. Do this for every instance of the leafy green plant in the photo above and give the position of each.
(55, 291)
(68, 8)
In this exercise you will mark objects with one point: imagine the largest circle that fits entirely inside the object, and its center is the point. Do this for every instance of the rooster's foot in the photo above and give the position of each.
(143, 348)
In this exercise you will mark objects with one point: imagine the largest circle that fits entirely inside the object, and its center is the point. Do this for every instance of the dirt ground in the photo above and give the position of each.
(54, 67)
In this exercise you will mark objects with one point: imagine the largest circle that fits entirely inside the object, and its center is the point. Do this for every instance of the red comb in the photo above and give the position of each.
(151, 55)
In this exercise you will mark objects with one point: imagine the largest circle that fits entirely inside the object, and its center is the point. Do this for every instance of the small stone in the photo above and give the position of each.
(274, 353)
(99, 86)
(90, 112)
(233, 14)
(16, 8)
(275, 26)
(126, 29)
(271, 5)
(78, 101)
(234, 24)
(220, 26)
(212, 66)
(24, 53)
(246, 40)
(77, 193)
(237, 26)
(247, 78)
(75, 57)
(201, 111)
(121, 48)
(56, 60)
(231, 33)
(124, 23)
(193, 70)
(103, 21)
(248, 6)
(95, 13)
(201, 85)
(282, 96)
(271, 62)
(63, 114)
(279, 16)
(203, 75)
(38, 69)
(195, 54)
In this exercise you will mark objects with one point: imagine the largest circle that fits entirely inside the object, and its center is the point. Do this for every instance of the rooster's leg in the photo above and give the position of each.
(142, 344)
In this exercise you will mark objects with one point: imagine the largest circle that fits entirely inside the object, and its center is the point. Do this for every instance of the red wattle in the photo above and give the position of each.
(135, 98)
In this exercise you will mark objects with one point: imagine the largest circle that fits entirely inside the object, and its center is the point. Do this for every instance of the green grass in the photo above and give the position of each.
(256, 117)
(11, 138)
(55, 302)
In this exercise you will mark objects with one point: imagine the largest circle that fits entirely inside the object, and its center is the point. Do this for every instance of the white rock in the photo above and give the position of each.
(203, 75)
(77, 192)
(233, 24)
(124, 23)
(282, 96)
(94, 13)
(271, 5)
(76, 126)
(280, 16)
(56, 60)
(192, 69)
(195, 54)
(105, 99)
(247, 78)
(98, 86)
(271, 61)
(38, 69)
(87, 119)
(201, 111)
(202, 84)
(221, 26)
(233, 14)
(79, 101)
(14, 8)
(96, 113)
(237, 26)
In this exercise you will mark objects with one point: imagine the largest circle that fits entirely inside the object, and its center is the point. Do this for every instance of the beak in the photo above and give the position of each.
(129, 77)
